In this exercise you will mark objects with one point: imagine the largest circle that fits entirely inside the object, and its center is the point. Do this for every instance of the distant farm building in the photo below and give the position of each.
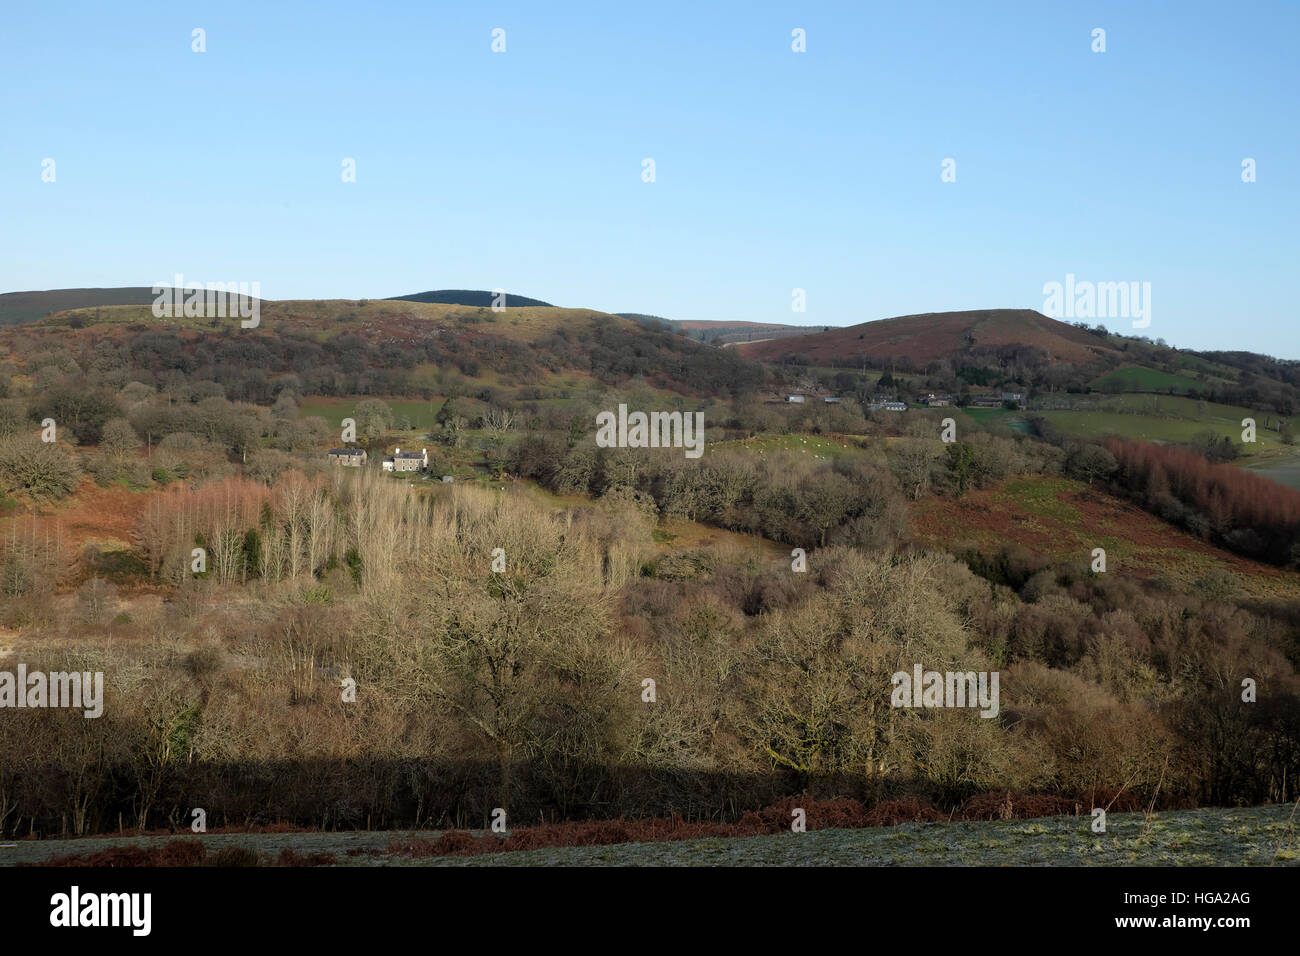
(796, 399)
(938, 401)
(831, 400)
(349, 457)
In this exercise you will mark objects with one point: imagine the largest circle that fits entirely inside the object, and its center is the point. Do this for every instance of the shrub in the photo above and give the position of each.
(41, 470)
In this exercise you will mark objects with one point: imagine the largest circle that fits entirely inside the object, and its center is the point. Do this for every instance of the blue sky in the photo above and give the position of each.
(775, 170)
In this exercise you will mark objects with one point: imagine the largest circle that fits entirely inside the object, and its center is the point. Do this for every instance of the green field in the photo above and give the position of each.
(987, 415)
(1165, 418)
(816, 446)
(1285, 471)
(421, 413)
(1007, 418)
(1133, 378)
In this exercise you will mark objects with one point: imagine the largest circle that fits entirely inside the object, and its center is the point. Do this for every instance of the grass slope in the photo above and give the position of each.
(1132, 378)
(422, 414)
(1166, 418)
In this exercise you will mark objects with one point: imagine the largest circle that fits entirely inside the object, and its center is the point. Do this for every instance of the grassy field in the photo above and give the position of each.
(816, 446)
(1158, 418)
(1095, 424)
(1257, 836)
(1134, 378)
(421, 413)
(986, 416)
(1007, 418)
(1285, 470)
(1165, 418)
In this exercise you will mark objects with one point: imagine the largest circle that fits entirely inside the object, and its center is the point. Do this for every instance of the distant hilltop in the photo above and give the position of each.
(472, 297)
(935, 336)
(19, 308)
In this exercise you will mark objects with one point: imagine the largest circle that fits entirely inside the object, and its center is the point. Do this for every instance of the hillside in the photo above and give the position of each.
(377, 320)
(17, 308)
(1070, 371)
(928, 337)
(384, 346)
(1063, 520)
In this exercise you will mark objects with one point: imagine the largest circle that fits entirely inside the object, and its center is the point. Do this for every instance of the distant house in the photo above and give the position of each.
(986, 401)
(937, 401)
(895, 406)
(796, 399)
(349, 457)
(406, 460)
(1017, 397)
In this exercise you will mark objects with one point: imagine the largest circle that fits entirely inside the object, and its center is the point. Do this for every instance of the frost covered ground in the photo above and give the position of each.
(1258, 836)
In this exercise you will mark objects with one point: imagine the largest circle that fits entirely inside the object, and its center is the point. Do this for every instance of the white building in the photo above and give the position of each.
(406, 460)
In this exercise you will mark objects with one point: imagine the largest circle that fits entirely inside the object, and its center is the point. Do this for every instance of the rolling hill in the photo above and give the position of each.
(18, 308)
(471, 297)
(374, 320)
(931, 336)
(383, 339)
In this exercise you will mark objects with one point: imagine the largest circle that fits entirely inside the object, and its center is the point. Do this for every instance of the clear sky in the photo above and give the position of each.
(775, 170)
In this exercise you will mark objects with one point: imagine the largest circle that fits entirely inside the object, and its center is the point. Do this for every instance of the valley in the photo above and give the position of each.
(766, 582)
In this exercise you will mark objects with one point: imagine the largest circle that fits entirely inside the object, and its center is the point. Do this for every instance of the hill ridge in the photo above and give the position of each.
(471, 297)
(926, 337)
